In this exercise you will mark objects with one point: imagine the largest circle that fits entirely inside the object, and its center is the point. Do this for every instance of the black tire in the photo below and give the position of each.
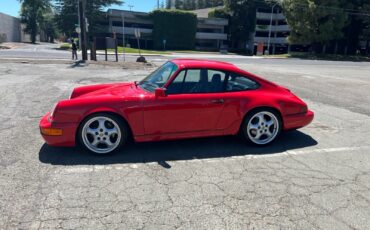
(251, 115)
(122, 126)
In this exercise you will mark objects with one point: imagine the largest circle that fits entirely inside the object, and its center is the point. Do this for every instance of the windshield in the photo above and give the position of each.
(159, 77)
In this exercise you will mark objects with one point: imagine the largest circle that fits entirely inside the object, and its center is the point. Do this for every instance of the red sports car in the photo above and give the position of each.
(182, 99)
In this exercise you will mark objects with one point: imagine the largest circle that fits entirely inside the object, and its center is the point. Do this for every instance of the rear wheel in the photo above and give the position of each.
(102, 133)
(262, 127)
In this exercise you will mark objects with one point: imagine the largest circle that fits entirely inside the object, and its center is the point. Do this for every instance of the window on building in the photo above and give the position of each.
(117, 23)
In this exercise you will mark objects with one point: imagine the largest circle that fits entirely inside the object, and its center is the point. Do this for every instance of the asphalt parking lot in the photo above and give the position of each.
(314, 178)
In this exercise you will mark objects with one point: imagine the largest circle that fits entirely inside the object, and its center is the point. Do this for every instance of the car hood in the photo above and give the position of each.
(111, 90)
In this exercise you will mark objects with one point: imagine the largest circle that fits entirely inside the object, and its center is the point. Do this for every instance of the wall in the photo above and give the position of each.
(10, 28)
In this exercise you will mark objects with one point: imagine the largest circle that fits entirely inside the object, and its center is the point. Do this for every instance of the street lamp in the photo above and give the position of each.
(272, 12)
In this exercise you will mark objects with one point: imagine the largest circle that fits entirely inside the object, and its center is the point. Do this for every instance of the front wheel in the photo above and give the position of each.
(262, 127)
(102, 133)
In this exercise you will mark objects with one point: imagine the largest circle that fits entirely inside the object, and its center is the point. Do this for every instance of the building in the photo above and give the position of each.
(279, 29)
(11, 30)
(275, 35)
(210, 31)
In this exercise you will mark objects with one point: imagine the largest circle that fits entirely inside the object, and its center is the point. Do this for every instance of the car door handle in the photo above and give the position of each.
(218, 101)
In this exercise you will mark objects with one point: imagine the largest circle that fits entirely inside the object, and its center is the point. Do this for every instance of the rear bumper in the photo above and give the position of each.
(298, 120)
(66, 139)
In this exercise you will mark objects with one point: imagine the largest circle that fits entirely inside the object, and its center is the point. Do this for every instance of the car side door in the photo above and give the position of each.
(240, 91)
(192, 105)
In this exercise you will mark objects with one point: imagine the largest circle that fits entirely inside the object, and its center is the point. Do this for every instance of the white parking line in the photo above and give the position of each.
(95, 168)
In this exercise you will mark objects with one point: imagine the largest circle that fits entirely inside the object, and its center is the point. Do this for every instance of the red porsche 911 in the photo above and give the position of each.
(183, 98)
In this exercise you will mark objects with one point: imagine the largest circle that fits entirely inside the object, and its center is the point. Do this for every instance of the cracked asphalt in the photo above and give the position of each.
(314, 178)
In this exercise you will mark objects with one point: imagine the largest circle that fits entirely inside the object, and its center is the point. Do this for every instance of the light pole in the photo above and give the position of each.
(123, 35)
(272, 13)
(81, 9)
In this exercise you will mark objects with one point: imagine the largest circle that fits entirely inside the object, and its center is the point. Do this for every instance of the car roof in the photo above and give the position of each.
(202, 63)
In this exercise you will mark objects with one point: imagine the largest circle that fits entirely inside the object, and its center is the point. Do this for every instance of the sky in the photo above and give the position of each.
(12, 7)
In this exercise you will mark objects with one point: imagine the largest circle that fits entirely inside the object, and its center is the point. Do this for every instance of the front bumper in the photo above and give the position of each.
(67, 138)
(298, 120)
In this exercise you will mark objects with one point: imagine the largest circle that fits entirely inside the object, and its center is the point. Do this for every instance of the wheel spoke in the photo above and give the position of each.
(270, 123)
(261, 118)
(95, 142)
(253, 126)
(109, 143)
(258, 135)
(101, 123)
(112, 131)
(91, 131)
(269, 133)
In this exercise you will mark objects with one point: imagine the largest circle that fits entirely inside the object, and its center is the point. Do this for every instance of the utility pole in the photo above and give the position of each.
(130, 6)
(82, 19)
(272, 13)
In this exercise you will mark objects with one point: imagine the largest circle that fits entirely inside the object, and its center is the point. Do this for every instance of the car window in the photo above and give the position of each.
(216, 79)
(159, 77)
(198, 81)
(176, 86)
(193, 75)
(237, 82)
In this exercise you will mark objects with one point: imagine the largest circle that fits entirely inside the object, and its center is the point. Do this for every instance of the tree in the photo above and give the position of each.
(67, 15)
(166, 24)
(186, 5)
(201, 4)
(32, 15)
(366, 28)
(178, 4)
(242, 22)
(208, 3)
(193, 5)
(314, 22)
(355, 30)
(217, 3)
(48, 27)
(168, 4)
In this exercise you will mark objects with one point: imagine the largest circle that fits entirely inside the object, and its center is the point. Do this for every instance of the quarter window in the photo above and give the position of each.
(240, 83)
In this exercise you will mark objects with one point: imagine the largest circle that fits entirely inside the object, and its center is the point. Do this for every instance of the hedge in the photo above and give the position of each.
(219, 13)
(178, 28)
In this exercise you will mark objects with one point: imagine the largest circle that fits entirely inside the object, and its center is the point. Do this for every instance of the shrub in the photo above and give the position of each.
(219, 13)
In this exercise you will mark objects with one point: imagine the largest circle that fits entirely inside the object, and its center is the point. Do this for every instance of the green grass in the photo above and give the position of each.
(136, 51)
(328, 57)
(65, 46)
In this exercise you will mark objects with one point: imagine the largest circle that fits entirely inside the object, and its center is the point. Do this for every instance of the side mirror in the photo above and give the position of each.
(160, 92)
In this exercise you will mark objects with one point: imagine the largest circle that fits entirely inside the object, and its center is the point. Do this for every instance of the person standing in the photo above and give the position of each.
(74, 50)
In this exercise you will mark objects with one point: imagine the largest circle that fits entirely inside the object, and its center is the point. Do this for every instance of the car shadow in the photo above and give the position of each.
(202, 148)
